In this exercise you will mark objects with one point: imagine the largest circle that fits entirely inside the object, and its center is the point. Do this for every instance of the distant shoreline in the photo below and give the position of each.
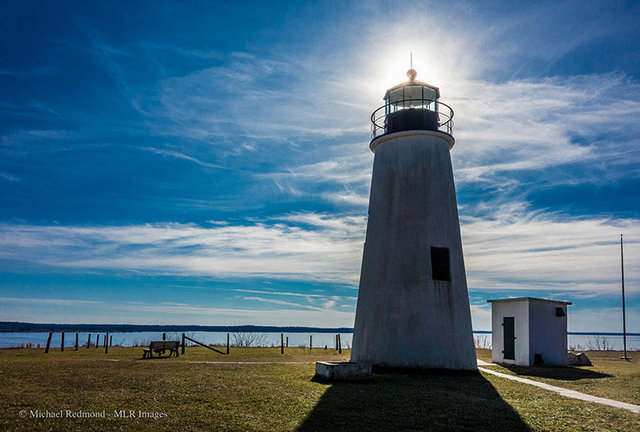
(24, 327)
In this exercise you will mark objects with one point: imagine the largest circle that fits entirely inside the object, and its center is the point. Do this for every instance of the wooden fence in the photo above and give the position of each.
(107, 341)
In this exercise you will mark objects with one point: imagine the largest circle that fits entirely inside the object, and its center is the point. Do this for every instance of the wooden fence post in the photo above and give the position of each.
(281, 343)
(287, 343)
(227, 343)
(62, 343)
(106, 343)
(339, 344)
(111, 340)
(46, 350)
(336, 342)
(310, 342)
(88, 340)
(76, 346)
(164, 336)
(182, 343)
(97, 339)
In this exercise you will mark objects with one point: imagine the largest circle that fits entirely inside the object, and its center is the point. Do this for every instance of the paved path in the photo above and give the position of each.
(568, 393)
(226, 362)
(250, 362)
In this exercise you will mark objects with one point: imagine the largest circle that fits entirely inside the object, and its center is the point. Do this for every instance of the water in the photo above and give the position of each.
(581, 342)
(575, 341)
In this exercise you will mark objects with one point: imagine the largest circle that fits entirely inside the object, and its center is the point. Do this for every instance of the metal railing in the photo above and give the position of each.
(379, 117)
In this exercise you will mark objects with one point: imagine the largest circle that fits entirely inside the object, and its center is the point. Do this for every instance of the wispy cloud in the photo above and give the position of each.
(47, 301)
(326, 301)
(178, 155)
(526, 125)
(9, 177)
(536, 251)
(329, 250)
(281, 293)
(282, 303)
(511, 250)
(128, 312)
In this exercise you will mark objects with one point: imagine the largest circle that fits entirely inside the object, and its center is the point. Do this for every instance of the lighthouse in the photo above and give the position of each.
(413, 305)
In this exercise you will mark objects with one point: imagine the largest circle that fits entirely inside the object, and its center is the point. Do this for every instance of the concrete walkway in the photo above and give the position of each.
(565, 392)
(248, 362)
(222, 362)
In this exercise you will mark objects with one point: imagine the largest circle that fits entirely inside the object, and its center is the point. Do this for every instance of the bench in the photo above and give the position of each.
(159, 347)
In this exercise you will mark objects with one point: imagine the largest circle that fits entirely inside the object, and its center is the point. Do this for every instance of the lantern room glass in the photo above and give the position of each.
(411, 96)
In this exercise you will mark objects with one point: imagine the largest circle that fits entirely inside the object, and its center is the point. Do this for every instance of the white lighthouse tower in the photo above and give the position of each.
(413, 306)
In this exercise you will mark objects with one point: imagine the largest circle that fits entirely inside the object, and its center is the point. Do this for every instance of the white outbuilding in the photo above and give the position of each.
(529, 331)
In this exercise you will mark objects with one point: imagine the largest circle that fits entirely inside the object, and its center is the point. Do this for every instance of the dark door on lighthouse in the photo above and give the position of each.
(508, 330)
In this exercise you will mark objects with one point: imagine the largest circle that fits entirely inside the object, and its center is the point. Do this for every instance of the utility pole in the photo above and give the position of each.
(624, 312)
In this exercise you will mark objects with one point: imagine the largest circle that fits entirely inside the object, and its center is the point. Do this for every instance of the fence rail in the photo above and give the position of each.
(201, 344)
(444, 113)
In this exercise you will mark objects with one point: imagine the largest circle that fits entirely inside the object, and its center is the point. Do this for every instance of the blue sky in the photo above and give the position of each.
(208, 162)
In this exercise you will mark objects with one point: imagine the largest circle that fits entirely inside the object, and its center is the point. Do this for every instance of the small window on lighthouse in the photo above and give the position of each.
(440, 264)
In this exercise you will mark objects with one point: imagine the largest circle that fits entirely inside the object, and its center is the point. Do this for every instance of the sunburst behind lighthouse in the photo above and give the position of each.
(413, 305)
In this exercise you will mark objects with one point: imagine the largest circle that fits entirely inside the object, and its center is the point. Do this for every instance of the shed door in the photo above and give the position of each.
(508, 330)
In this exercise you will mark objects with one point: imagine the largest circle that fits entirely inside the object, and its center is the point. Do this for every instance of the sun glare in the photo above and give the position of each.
(390, 65)
(392, 60)
(444, 62)
(393, 69)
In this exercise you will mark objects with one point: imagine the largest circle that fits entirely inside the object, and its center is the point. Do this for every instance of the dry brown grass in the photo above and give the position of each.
(198, 393)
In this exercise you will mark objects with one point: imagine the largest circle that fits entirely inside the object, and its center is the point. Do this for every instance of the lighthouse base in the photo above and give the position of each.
(343, 371)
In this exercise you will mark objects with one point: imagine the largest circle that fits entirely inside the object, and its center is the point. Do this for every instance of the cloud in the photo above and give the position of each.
(481, 315)
(348, 225)
(178, 155)
(128, 312)
(346, 198)
(534, 125)
(235, 99)
(107, 56)
(536, 251)
(309, 296)
(513, 249)
(353, 169)
(328, 250)
(602, 319)
(154, 48)
(342, 180)
(314, 301)
(284, 303)
(9, 177)
(54, 302)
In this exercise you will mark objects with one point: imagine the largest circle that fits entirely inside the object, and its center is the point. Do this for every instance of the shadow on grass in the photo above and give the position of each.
(403, 401)
(559, 373)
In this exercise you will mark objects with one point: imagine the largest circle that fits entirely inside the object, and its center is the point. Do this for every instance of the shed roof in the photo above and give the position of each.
(528, 299)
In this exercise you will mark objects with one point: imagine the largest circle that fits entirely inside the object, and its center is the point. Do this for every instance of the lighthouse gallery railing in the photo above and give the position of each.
(444, 113)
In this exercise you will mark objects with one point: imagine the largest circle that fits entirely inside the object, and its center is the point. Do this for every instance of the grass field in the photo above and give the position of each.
(609, 376)
(252, 390)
